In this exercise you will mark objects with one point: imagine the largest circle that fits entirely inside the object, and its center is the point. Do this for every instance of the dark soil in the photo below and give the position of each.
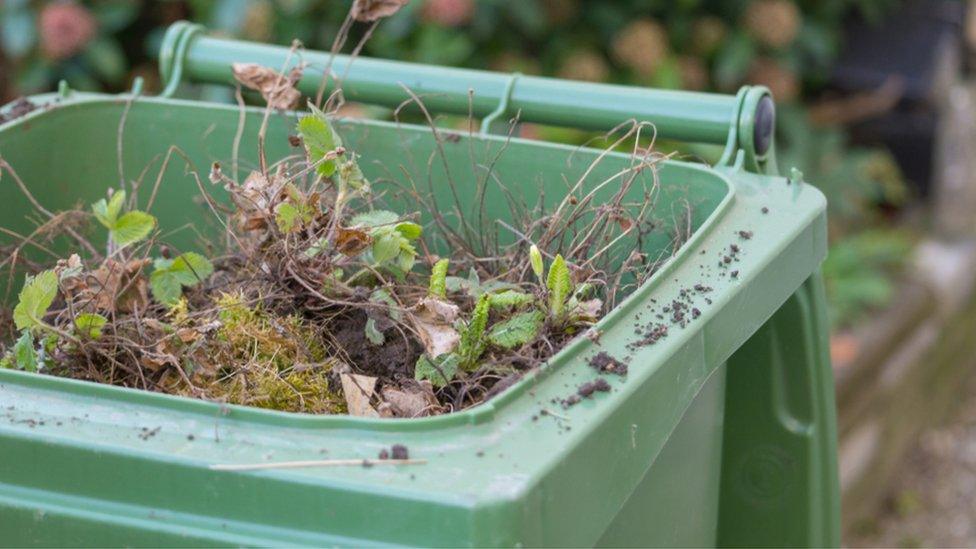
(399, 451)
(395, 358)
(21, 107)
(605, 363)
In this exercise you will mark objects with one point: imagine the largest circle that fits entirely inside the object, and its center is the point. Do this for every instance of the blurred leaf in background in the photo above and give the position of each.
(859, 272)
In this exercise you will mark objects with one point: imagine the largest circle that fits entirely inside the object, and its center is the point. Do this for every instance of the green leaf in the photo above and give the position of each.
(191, 268)
(438, 278)
(319, 139)
(165, 287)
(132, 227)
(375, 218)
(516, 331)
(34, 300)
(107, 211)
(535, 259)
(24, 353)
(386, 246)
(373, 334)
(439, 371)
(287, 217)
(406, 259)
(409, 230)
(89, 325)
(171, 275)
(382, 295)
(351, 175)
(472, 342)
(559, 284)
(106, 57)
(510, 298)
(459, 284)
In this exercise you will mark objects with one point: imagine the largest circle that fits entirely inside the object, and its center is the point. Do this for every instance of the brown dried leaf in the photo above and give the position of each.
(590, 309)
(256, 192)
(352, 242)
(371, 10)
(434, 320)
(358, 390)
(625, 222)
(254, 223)
(188, 335)
(412, 399)
(278, 90)
(157, 361)
(119, 287)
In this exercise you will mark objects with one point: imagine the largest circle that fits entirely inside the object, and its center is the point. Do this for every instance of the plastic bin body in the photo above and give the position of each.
(721, 434)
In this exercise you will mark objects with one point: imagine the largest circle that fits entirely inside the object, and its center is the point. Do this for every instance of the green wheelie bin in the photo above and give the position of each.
(722, 433)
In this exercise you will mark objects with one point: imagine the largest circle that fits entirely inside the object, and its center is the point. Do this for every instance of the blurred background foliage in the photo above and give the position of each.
(709, 45)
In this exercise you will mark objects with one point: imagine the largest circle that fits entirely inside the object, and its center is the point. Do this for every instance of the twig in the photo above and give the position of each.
(313, 463)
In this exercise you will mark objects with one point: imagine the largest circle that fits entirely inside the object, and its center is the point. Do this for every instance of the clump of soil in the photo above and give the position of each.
(586, 390)
(18, 109)
(605, 363)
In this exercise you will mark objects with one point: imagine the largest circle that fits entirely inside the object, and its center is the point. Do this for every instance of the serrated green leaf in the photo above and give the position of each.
(375, 218)
(439, 371)
(171, 275)
(165, 287)
(89, 325)
(116, 203)
(438, 278)
(510, 298)
(34, 300)
(560, 285)
(25, 353)
(319, 139)
(107, 211)
(406, 259)
(191, 268)
(132, 227)
(286, 216)
(386, 246)
(472, 342)
(409, 230)
(516, 331)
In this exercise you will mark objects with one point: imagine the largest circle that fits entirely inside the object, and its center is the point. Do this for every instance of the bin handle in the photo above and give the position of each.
(743, 122)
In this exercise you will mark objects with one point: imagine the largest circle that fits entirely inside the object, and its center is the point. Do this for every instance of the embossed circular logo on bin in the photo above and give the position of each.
(765, 474)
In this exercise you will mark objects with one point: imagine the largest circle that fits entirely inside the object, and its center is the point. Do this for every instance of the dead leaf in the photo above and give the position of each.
(625, 222)
(254, 223)
(256, 192)
(590, 309)
(156, 361)
(371, 10)
(278, 90)
(352, 242)
(412, 399)
(358, 390)
(434, 321)
(188, 335)
(118, 286)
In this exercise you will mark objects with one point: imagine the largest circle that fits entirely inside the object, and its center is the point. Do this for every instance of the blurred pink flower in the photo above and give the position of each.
(65, 29)
(449, 13)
